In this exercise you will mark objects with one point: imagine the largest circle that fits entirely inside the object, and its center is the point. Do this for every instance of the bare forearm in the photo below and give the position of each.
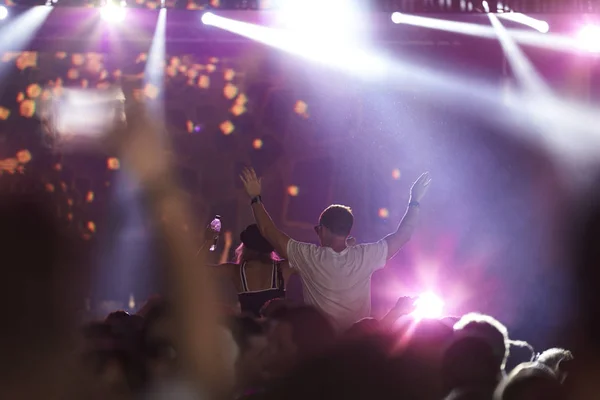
(404, 232)
(409, 222)
(265, 223)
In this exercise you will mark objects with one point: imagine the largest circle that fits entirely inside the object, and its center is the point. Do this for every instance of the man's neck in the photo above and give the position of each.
(337, 245)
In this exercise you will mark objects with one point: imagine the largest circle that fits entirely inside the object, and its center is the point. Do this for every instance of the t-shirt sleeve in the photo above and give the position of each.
(298, 253)
(376, 254)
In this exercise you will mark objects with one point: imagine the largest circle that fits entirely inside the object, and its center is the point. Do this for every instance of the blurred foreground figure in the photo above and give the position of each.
(39, 297)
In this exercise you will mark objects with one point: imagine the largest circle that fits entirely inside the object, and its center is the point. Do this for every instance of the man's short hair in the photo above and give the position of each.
(338, 219)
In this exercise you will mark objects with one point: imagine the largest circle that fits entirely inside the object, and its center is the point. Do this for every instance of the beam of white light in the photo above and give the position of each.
(589, 38)
(522, 117)
(329, 51)
(523, 69)
(19, 32)
(550, 116)
(154, 71)
(548, 41)
(539, 25)
(3, 12)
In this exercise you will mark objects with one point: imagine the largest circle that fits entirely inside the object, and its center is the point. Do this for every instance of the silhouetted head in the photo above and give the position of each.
(254, 246)
(335, 224)
(488, 329)
(530, 381)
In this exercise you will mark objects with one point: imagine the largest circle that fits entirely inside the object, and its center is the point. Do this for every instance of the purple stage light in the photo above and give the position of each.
(589, 38)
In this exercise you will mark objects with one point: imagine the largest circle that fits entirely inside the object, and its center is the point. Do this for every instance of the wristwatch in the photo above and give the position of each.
(256, 200)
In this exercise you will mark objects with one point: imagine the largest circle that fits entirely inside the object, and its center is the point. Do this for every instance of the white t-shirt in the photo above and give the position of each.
(338, 284)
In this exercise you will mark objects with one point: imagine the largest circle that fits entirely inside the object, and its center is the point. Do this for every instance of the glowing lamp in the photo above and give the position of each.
(396, 17)
(112, 13)
(3, 12)
(429, 306)
(589, 38)
(208, 18)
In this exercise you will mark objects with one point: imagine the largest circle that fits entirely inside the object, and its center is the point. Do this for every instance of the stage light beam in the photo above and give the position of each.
(3, 12)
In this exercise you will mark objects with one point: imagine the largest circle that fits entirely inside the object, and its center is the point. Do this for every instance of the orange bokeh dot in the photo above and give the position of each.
(89, 197)
(293, 190)
(226, 127)
(396, 173)
(113, 163)
(91, 226)
(383, 213)
(257, 144)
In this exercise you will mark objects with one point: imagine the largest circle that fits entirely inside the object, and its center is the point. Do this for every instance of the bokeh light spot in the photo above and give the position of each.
(204, 82)
(4, 113)
(89, 197)
(27, 108)
(91, 226)
(113, 163)
(293, 190)
(227, 127)
(257, 144)
(242, 99)
(229, 74)
(23, 156)
(300, 107)
(230, 91)
(383, 213)
(396, 174)
(238, 109)
(33, 90)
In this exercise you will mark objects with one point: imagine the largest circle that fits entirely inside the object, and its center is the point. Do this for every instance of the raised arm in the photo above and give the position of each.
(278, 239)
(407, 226)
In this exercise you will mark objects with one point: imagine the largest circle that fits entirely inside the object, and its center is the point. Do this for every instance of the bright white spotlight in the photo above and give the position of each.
(428, 305)
(589, 38)
(3, 12)
(208, 18)
(396, 17)
(113, 13)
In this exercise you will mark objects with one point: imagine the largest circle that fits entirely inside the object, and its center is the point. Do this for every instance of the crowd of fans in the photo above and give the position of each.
(284, 351)
(292, 351)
